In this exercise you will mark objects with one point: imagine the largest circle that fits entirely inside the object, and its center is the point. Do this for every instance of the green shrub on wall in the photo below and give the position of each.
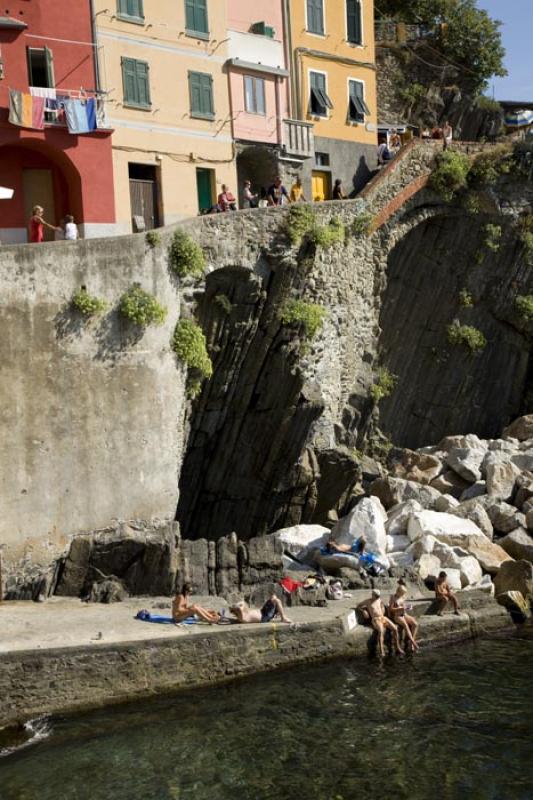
(450, 173)
(88, 304)
(309, 316)
(466, 299)
(524, 305)
(466, 335)
(301, 219)
(362, 224)
(493, 235)
(328, 235)
(141, 307)
(489, 165)
(190, 346)
(524, 228)
(384, 385)
(153, 238)
(186, 256)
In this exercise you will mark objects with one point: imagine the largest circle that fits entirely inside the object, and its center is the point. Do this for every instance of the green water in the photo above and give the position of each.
(450, 723)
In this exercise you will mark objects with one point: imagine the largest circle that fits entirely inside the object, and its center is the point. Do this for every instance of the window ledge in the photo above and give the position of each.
(204, 35)
(322, 35)
(355, 44)
(136, 106)
(133, 20)
(199, 115)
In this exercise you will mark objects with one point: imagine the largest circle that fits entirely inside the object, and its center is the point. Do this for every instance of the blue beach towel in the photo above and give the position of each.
(146, 616)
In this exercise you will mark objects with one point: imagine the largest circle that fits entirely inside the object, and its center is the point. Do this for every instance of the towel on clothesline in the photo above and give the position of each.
(41, 91)
(26, 111)
(80, 115)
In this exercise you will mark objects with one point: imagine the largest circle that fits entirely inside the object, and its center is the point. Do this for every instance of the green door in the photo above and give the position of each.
(204, 184)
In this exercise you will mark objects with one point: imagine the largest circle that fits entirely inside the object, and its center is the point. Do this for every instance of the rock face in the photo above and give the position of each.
(515, 576)
(392, 491)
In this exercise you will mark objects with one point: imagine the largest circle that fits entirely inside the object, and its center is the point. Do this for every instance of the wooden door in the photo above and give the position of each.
(321, 186)
(143, 194)
(38, 188)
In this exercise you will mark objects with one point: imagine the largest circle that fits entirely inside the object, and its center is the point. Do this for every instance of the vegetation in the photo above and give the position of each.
(301, 219)
(485, 103)
(465, 35)
(186, 256)
(308, 316)
(362, 224)
(190, 346)
(384, 385)
(471, 203)
(488, 166)
(413, 93)
(524, 305)
(88, 304)
(466, 335)
(328, 235)
(223, 301)
(153, 238)
(450, 173)
(524, 228)
(493, 235)
(466, 299)
(141, 307)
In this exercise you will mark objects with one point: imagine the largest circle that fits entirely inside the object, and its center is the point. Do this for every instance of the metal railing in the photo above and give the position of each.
(298, 138)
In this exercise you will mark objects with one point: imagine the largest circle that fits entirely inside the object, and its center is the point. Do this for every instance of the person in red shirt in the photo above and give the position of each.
(37, 225)
(226, 200)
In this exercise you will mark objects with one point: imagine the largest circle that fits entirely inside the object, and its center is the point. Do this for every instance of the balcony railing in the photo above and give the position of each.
(298, 138)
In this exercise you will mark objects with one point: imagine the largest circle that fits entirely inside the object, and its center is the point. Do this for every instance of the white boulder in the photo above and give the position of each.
(422, 546)
(449, 557)
(446, 503)
(398, 517)
(428, 566)
(437, 524)
(453, 576)
(302, 540)
(471, 572)
(401, 559)
(500, 476)
(466, 462)
(366, 519)
(396, 544)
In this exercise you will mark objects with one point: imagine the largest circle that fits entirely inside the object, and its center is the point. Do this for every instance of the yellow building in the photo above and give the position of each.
(333, 85)
(161, 64)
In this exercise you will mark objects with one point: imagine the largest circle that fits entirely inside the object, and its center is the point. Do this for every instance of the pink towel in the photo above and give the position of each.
(38, 112)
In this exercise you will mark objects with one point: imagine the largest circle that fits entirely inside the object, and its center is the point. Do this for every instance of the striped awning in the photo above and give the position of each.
(519, 118)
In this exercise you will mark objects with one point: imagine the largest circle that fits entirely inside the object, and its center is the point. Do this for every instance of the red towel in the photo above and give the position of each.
(289, 585)
(37, 115)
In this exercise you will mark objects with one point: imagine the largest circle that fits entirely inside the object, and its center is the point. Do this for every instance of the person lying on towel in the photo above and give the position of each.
(267, 613)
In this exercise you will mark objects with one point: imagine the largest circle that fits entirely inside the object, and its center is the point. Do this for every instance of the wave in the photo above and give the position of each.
(32, 732)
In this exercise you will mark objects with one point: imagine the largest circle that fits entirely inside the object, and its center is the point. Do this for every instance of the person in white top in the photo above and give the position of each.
(447, 135)
(71, 229)
(250, 199)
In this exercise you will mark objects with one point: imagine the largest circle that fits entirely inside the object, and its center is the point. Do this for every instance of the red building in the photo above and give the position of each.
(48, 83)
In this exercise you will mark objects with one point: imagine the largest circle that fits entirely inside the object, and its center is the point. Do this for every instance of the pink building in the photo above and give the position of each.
(267, 141)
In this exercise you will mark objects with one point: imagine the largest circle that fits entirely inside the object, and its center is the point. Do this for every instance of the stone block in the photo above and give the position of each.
(392, 491)
(398, 517)
(500, 477)
(436, 524)
(521, 429)
(470, 569)
(466, 462)
(428, 567)
(449, 483)
(515, 576)
(518, 544)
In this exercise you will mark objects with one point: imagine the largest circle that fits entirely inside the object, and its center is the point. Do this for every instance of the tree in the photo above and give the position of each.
(466, 35)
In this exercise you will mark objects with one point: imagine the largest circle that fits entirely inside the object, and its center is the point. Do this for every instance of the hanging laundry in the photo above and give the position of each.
(81, 115)
(101, 114)
(26, 111)
(42, 91)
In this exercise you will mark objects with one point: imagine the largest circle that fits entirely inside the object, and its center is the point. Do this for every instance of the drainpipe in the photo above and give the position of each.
(279, 122)
(289, 56)
(96, 55)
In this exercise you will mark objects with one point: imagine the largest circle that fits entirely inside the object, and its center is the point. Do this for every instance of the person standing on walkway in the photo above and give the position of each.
(277, 193)
(338, 191)
(250, 199)
(37, 224)
(447, 135)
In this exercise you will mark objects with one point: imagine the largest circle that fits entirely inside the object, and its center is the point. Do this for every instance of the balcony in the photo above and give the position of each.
(298, 138)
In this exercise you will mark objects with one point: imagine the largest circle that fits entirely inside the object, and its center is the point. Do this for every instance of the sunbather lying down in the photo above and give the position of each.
(267, 613)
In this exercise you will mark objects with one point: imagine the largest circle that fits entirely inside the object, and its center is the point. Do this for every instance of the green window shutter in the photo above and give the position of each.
(49, 61)
(354, 22)
(129, 80)
(131, 8)
(196, 16)
(143, 83)
(315, 16)
(201, 94)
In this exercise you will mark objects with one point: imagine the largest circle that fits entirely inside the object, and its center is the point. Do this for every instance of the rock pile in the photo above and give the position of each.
(464, 506)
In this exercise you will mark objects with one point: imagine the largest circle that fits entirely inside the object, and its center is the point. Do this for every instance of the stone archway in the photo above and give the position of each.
(39, 175)
(258, 164)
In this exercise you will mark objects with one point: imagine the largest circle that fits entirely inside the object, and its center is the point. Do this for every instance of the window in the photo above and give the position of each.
(196, 21)
(315, 16)
(135, 79)
(354, 23)
(322, 159)
(254, 95)
(319, 101)
(201, 94)
(357, 106)
(41, 67)
(131, 10)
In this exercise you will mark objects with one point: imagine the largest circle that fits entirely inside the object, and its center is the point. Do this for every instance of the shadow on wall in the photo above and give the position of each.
(445, 388)
(361, 177)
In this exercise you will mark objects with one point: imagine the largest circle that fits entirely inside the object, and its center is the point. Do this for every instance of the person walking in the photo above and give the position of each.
(338, 191)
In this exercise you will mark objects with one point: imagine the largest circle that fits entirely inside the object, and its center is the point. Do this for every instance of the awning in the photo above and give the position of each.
(519, 118)
(359, 105)
(321, 98)
(8, 23)
(6, 194)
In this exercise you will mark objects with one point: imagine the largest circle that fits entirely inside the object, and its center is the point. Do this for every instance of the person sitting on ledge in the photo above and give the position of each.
(374, 611)
(182, 608)
(272, 608)
(444, 595)
(398, 615)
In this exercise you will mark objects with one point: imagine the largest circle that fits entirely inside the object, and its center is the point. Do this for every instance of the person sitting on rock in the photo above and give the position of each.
(356, 548)
(444, 595)
(182, 608)
(272, 608)
(374, 611)
(398, 615)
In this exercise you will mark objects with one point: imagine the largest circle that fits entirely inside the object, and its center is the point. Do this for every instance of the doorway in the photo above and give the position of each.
(205, 182)
(38, 189)
(321, 186)
(144, 196)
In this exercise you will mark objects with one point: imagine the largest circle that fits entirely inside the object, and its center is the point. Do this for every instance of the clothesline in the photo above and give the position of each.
(81, 114)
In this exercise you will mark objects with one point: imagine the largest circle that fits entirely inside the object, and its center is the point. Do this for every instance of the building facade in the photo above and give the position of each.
(333, 86)
(55, 148)
(162, 66)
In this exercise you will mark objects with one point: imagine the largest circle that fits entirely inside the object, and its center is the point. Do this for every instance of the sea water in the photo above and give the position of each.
(451, 723)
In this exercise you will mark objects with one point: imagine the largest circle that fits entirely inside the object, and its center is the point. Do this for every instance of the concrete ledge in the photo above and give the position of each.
(61, 680)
